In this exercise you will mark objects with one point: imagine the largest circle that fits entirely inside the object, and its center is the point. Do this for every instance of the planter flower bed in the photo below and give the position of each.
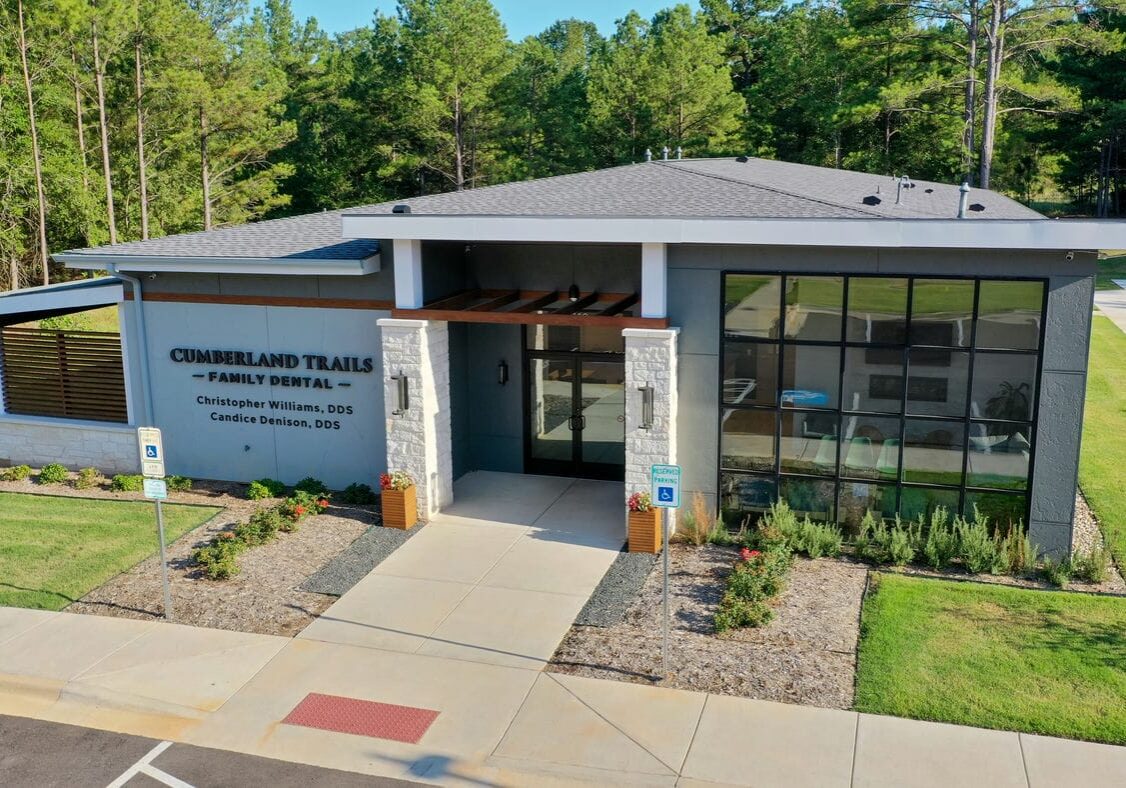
(399, 500)
(644, 524)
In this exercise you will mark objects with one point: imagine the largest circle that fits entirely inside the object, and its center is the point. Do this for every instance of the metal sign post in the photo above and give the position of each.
(151, 449)
(665, 494)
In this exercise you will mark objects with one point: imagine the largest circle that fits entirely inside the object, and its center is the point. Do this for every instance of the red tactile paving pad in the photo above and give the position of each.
(362, 717)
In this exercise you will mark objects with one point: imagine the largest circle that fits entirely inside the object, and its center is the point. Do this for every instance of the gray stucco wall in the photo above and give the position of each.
(198, 443)
(695, 306)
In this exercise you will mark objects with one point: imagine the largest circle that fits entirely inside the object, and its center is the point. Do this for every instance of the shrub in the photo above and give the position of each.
(265, 488)
(1015, 552)
(359, 495)
(941, 545)
(1057, 572)
(219, 557)
(976, 547)
(1093, 566)
(298, 506)
(734, 612)
(262, 527)
(815, 539)
(901, 541)
(719, 534)
(17, 473)
(87, 478)
(53, 473)
(178, 483)
(311, 486)
(127, 482)
(696, 525)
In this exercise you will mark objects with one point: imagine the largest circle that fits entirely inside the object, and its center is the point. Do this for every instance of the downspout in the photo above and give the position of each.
(142, 335)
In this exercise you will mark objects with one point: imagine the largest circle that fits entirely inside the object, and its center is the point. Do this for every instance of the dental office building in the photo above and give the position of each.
(843, 341)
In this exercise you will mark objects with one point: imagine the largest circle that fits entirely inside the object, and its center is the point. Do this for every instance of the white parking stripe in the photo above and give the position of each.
(144, 765)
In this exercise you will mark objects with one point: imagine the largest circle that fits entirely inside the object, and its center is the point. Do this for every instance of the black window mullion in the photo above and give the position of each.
(840, 401)
(969, 400)
(903, 398)
(778, 385)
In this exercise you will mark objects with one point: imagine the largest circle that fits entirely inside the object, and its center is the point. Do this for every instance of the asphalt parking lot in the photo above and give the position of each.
(36, 754)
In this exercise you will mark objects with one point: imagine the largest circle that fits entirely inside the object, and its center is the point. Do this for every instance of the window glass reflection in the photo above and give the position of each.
(742, 496)
(751, 305)
(870, 448)
(747, 442)
(942, 312)
(1008, 315)
(873, 379)
(999, 455)
(813, 307)
(858, 498)
(808, 443)
(1004, 386)
(877, 310)
(1002, 509)
(916, 501)
(937, 381)
(810, 376)
(932, 451)
(810, 497)
(750, 373)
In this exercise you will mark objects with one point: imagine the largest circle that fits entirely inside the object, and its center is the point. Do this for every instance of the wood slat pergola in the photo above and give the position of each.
(536, 307)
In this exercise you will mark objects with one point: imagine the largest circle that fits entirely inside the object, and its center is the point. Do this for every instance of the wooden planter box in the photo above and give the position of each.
(400, 508)
(645, 531)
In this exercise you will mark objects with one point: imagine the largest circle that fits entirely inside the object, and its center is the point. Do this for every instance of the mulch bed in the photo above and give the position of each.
(807, 654)
(265, 597)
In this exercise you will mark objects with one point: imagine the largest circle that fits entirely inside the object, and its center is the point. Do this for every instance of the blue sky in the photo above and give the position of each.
(521, 17)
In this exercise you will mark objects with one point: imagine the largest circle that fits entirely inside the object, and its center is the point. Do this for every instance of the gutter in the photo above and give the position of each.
(142, 335)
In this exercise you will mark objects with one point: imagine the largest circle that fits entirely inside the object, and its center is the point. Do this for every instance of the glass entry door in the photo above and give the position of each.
(575, 415)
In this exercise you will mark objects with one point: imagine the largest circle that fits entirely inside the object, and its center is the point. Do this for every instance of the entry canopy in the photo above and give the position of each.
(64, 298)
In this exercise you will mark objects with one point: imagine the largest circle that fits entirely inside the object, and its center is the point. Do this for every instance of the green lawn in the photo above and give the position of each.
(1047, 662)
(1104, 435)
(54, 550)
(1110, 268)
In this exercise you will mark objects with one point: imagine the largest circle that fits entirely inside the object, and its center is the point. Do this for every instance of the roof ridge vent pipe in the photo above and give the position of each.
(142, 335)
(901, 183)
(665, 153)
(648, 155)
(963, 199)
(679, 153)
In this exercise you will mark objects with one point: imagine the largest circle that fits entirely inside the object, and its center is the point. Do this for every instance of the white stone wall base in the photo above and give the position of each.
(650, 361)
(111, 448)
(419, 440)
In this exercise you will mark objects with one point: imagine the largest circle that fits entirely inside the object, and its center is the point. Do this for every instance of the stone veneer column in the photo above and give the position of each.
(650, 360)
(419, 440)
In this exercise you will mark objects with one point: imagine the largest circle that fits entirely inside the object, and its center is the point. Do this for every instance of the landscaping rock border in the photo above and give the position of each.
(345, 570)
(620, 586)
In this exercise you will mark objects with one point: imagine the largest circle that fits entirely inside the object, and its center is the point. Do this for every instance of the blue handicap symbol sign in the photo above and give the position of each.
(664, 494)
(150, 451)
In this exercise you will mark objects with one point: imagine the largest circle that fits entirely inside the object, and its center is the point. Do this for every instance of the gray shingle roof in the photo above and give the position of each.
(313, 236)
(717, 188)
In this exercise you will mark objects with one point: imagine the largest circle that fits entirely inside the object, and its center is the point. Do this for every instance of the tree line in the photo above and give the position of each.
(129, 119)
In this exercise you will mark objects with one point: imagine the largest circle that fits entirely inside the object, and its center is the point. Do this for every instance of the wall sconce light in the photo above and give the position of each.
(646, 407)
(403, 389)
(502, 372)
(573, 293)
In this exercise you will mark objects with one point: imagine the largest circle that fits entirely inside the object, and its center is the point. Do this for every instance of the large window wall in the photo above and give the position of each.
(842, 394)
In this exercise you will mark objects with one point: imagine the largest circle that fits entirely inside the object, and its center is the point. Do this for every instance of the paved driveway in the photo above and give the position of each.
(1112, 303)
(496, 578)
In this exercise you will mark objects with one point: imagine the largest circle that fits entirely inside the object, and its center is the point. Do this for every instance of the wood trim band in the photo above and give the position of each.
(459, 316)
(311, 302)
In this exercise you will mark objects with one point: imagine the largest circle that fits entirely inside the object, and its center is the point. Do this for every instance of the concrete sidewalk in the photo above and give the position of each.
(497, 725)
(1112, 303)
(460, 622)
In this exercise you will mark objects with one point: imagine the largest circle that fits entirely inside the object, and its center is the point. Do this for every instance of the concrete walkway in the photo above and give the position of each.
(533, 547)
(460, 621)
(1112, 303)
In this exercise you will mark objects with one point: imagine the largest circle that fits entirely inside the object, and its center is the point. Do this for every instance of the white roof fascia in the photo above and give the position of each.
(295, 266)
(1065, 234)
(45, 299)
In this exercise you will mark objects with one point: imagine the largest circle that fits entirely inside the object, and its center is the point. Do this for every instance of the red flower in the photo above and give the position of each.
(747, 554)
(385, 481)
(322, 503)
(226, 535)
(299, 510)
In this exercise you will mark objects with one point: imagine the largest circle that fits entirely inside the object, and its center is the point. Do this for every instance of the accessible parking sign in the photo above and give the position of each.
(665, 486)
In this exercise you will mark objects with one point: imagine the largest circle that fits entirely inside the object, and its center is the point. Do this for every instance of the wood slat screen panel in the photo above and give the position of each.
(64, 374)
